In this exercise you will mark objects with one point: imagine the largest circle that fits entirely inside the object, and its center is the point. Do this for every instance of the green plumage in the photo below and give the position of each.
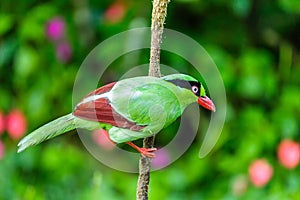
(54, 128)
(147, 101)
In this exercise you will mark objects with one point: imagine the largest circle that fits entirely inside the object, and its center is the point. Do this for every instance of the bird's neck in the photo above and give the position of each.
(185, 98)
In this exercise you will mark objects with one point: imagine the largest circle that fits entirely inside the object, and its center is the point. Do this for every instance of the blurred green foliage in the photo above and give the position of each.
(255, 45)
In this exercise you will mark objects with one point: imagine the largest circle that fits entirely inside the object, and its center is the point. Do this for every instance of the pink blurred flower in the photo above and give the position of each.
(2, 123)
(260, 172)
(63, 52)
(1, 150)
(115, 13)
(55, 28)
(101, 138)
(16, 124)
(289, 153)
(162, 158)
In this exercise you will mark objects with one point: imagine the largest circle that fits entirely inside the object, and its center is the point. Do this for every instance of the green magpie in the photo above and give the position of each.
(130, 109)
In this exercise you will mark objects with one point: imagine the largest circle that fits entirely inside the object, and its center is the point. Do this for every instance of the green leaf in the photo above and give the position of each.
(291, 6)
(6, 23)
(241, 7)
(7, 48)
(26, 61)
(33, 24)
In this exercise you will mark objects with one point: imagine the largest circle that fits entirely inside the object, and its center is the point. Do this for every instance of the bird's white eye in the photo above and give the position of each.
(195, 89)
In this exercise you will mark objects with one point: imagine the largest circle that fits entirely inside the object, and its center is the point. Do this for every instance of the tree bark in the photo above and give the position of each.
(159, 13)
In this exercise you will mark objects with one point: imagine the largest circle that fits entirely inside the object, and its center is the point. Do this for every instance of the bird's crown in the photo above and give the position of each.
(183, 77)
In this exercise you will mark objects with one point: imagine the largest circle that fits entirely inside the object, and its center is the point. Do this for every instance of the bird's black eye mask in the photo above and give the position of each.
(194, 86)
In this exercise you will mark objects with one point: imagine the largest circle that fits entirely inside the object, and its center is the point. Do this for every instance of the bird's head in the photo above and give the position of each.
(190, 83)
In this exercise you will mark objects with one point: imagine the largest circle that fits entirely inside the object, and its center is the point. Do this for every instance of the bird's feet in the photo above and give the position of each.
(148, 152)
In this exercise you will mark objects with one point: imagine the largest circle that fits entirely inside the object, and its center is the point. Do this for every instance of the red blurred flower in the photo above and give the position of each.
(101, 138)
(260, 172)
(63, 51)
(289, 153)
(16, 124)
(2, 123)
(1, 150)
(55, 28)
(115, 13)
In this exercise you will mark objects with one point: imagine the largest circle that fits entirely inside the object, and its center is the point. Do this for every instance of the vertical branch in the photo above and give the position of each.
(159, 12)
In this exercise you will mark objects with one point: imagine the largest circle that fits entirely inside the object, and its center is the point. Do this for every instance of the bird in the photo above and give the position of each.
(131, 108)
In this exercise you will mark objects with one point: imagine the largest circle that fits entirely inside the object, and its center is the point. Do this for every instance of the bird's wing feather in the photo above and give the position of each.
(50, 130)
(102, 90)
(100, 110)
(146, 100)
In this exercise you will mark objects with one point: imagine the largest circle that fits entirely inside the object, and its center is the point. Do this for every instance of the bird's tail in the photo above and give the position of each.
(50, 130)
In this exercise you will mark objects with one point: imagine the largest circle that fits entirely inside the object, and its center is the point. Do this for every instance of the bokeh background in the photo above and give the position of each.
(255, 45)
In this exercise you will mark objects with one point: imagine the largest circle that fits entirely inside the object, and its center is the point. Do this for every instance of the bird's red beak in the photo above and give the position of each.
(205, 102)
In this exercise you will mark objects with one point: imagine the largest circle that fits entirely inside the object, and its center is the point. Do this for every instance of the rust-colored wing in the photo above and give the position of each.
(100, 110)
(101, 90)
